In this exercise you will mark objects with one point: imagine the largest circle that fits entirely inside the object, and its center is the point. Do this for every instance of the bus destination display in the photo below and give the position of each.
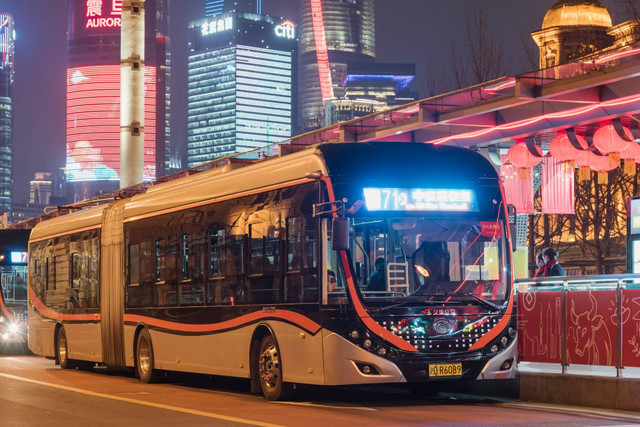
(418, 199)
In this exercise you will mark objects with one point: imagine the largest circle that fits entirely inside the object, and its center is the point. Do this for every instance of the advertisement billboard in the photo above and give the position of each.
(93, 123)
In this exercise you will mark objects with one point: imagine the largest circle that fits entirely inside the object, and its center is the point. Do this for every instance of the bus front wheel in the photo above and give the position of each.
(62, 350)
(144, 357)
(270, 371)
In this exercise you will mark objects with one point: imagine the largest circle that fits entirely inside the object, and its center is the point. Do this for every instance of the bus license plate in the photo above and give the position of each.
(445, 370)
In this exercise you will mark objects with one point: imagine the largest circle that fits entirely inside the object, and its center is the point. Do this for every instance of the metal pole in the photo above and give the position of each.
(564, 326)
(132, 93)
(619, 294)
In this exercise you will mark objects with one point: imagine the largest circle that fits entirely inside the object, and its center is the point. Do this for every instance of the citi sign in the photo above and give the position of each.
(286, 30)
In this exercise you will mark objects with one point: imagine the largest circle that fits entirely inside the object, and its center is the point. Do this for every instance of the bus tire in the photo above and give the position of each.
(144, 357)
(270, 371)
(62, 351)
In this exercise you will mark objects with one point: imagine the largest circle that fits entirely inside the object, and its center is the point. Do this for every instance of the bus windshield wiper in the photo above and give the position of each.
(482, 300)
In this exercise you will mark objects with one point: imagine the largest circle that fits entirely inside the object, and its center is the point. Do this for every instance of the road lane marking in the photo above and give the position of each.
(142, 402)
(573, 409)
(316, 405)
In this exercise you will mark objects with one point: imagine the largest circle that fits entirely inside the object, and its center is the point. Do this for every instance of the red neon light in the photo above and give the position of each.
(93, 123)
(523, 123)
(509, 83)
(324, 69)
(617, 55)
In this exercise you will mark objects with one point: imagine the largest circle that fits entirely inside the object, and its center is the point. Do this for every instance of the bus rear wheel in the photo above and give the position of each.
(270, 371)
(62, 350)
(144, 357)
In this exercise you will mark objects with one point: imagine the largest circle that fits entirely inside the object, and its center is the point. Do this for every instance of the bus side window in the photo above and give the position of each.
(94, 270)
(234, 253)
(192, 261)
(216, 266)
(166, 271)
(76, 266)
(301, 282)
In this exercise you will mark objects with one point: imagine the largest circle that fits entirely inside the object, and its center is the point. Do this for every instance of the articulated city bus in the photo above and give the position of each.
(13, 288)
(266, 271)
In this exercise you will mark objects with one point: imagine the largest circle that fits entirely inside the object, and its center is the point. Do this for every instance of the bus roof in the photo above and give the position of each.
(382, 160)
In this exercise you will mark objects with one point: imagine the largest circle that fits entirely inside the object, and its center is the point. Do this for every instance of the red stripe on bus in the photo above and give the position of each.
(290, 316)
(9, 315)
(369, 322)
(52, 314)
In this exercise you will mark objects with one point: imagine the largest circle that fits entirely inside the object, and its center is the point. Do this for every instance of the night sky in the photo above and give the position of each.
(406, 31)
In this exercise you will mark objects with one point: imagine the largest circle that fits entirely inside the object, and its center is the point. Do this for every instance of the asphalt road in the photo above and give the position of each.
(35, 392)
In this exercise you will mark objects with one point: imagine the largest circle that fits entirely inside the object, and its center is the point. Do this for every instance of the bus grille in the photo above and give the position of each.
(456, 341)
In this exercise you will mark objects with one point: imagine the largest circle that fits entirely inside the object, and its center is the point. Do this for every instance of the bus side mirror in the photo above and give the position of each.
(513, 230)
(340, 234)
(514, 241)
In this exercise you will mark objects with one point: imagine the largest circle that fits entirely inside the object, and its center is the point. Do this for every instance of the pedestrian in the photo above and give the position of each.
(551, 266)
(540, 265)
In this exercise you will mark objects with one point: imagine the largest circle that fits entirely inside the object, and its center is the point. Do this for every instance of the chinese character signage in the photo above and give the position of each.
(419, 199)
(216, 26)
(97, 17)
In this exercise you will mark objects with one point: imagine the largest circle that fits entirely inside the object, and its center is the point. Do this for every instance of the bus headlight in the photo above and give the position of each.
(13, 329)
(493, 348)
(512, 332)
(354, 334)
(382, 351)
(504, 341)
(367, 343)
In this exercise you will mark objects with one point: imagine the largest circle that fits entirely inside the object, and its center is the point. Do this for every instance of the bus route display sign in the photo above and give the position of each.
(419, 199)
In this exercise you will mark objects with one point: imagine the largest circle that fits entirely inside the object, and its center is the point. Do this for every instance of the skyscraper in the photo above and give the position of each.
(241, 91)
(217, 7)
(93, 95)
(333, 33)
(7, 37)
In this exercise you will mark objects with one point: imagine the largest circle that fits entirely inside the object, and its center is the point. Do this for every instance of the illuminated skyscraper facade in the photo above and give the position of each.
(218, 7)
(333, 33)
(241, 89)
(7, 36)
(213, 7)
(93, 95)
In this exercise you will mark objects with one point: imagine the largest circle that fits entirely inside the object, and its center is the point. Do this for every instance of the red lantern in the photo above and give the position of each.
(585, 160)
(603, 165)
(562, 149)
(607, 141)
(520, 156)
(631, 154)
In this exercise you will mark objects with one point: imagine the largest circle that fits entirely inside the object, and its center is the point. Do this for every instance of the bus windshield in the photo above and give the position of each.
(434, 260)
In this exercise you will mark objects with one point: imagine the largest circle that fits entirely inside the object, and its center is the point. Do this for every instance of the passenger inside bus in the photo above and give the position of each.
(431, 264)
(331, 281)
(377, 281)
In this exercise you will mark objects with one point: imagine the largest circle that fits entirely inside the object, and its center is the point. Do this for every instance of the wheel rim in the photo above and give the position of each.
(144, 356)
(62, 347)
(269, 368)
